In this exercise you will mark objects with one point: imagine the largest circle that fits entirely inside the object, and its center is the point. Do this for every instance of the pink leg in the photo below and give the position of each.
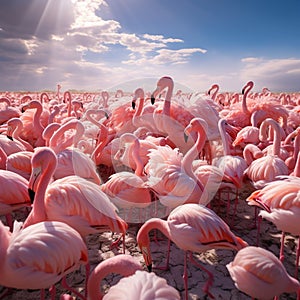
(185, 276)
(66, 286)
(297, 261)
(210, 276)
(281, 253)
(116, 243)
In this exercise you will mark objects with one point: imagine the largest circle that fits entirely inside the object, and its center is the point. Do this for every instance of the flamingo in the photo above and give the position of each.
(266, 168)
(260, 274)
(73, 200)
(71, 161)
(34, 119)
(192, 227)
(280, 205)
(170, 174)
(127, 189)
(40, 255)
(14, 129)
(122, 264)
(20, 163)
(14, 193)
(9, 111)
(143, 286)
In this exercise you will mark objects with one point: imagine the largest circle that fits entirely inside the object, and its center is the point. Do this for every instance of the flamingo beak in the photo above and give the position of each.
(133, 104)
(152, 99)
(31, 195)
(10, 137)
(149, 267)
(186, 137)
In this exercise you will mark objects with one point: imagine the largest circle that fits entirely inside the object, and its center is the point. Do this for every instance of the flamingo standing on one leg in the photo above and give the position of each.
(260, 274)
(194, 228)
(40, 255)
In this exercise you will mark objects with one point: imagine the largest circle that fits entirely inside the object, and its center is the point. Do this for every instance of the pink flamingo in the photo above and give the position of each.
(260, 274)
(34, 119)
(171, 175)
(73, 200)
(10, 146)
(126, 189)
(171, 120)
(105, 98)
(279, 201)
(3, 158)
(8, 112)
(72, 161)
(122, 264)
(14, 190)
(193, 228)
(266, 168)
(14, 129)
(143, 285)
(39, 256)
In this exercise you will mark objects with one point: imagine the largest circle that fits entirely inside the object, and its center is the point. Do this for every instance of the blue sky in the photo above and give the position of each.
(96, 44)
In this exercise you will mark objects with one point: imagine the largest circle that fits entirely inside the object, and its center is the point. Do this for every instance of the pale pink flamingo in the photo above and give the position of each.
(251, 152)
(122, 264)
(34, 119)
(266, 168)
(40, 255)
(14, 129)
(171, 120)
(280, 205)
(49, 131)
(142, 285)
(143, 116)
(260, 274)
(71, 161)
(14, 193)
(10, 146)
(193, 228)
(170, 174)
(105, 98)
(292, 159)
(3, 158)
(241, 116)
(73, 200)
(127, 190)
(8, 111)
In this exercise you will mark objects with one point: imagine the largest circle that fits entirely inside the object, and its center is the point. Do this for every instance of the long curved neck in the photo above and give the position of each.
(192, 154)
(275, 126)
(167, 103)
(246, 91)
(68, 101)
(5, 239)
(16, 135)
(118, 265)
(297, 166)
(37, 117)
(38, 212)
(139, 167)
(3, 158)
(139, 110)
(103, 142)
(224, 138)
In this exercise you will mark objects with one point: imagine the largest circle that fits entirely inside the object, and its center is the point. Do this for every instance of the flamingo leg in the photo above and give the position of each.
(66, 286)
(210, 276)
(185, 276)
(297, 261)
(281, 253)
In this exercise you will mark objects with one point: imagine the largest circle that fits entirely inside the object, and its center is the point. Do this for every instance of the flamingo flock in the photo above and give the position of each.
(128, 165)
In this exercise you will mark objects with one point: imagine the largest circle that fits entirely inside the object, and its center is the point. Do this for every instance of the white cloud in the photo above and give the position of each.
(276, 74)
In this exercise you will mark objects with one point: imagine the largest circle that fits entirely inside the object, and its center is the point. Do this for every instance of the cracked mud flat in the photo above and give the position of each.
(214, 260)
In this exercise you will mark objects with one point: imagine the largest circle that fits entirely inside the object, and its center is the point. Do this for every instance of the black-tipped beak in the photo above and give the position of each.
(243, 91)
(152, 99)
(10, 137)
(31, 195)
(133, 104)
(149, 268)
(22, 110)
(186, 137)
(106, 115)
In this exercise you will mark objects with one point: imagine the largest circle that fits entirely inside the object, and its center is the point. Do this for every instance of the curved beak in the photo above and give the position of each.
(10, 137)
(31, 195)
(133, 104)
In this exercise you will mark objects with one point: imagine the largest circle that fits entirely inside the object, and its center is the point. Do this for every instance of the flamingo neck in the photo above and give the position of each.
(3, 158)
(192, 153)
(5, 239)
(16, 136)
(139, 167)
(154, 223)
(37, 117)
(224, 138)
(167, 103)
(38, 212)
(248, 88)
(96, 155)
(263, 136)
(297, 166)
